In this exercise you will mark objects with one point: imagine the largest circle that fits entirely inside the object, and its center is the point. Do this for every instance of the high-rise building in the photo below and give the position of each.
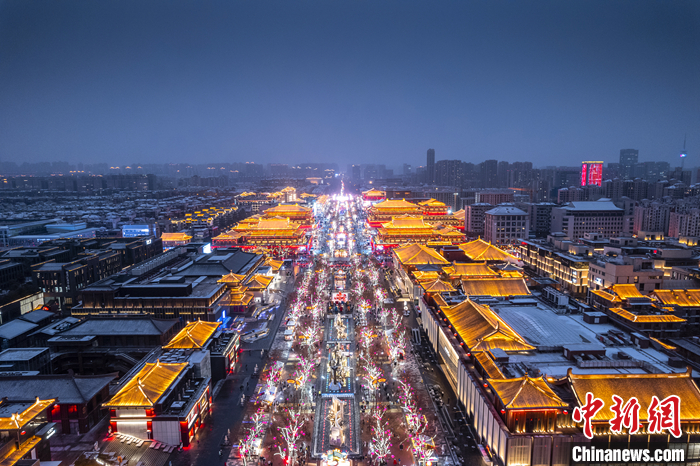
(592, 173)
(652, 216)
(449, 173)
(430, 167)
(355, 173)
(489, 173)
(503, 173)
(628, 159)
(505, 225)
(475, 217)
(577, 218)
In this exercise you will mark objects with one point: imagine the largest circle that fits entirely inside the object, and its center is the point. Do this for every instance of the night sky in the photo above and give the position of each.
(348, 81)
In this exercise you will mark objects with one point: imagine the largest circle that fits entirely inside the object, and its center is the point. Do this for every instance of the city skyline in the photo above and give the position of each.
(272, 82)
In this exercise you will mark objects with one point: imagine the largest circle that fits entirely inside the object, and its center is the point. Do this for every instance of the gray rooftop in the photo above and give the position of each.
(20, 354)
(592, 205)
(15, 328)
(67, 389)
(121, 326)
(37, 315)
(505, 210)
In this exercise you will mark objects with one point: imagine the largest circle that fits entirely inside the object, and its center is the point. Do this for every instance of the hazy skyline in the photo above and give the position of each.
(348, 82)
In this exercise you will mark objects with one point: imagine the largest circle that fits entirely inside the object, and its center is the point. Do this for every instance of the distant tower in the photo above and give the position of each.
(684, 154)
(628, 159)
(430, 166)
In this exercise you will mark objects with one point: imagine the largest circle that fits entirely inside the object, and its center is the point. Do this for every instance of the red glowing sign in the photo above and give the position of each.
(664, 415)
(592, 174)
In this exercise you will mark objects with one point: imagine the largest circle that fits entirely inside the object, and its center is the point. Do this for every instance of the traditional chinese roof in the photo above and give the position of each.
(482, 329)
(417, 254)
(275, 264)
(240, 297)
(658, 318)
(446, 230)
(259, 282)
(490, 367)
(395, 204)
(406, 221)
(496, 287)
(288, 208)
(231, 278)
(433, 203)
(627, 291)
(175, 237)
(14, 415)
(274, 223)
(664, 345)
(469, 269)
(145, 388)
(374, 192)
(605, 295)
(228, 235)
(640, 386)
(682, 298)
(526, 393)
(480, 250)
(423, 276)
(436, 286)
(439, 300)
(459, 215)
(193, 336)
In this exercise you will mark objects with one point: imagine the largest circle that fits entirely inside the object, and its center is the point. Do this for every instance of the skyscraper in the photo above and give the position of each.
(628, 159)
(430, 167)
(489, 173)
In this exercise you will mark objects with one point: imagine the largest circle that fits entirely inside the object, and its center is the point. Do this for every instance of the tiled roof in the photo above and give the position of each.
(469, 269)
(175, 237)
(482, 329)
(526, 393)
(415, 254)
(437, 286)
(654, 318)
(682, 298)
(496, 287)
(145, 388)
(25, 412)
(490, 367)
(640, 386)
(480, 250)
(194, 335)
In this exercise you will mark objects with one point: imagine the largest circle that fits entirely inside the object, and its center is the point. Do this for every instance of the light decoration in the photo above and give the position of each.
(247, 445)
(379, 446)
(423, 445)
(291, 434)
(304, 372)
(396, 342)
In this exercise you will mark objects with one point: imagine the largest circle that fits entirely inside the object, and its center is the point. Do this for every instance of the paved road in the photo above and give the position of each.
(227, 413)
(432, 374)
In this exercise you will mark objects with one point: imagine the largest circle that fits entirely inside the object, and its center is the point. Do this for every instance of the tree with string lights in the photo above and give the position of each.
(379, 445)
(246, 446)
(291, 433)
